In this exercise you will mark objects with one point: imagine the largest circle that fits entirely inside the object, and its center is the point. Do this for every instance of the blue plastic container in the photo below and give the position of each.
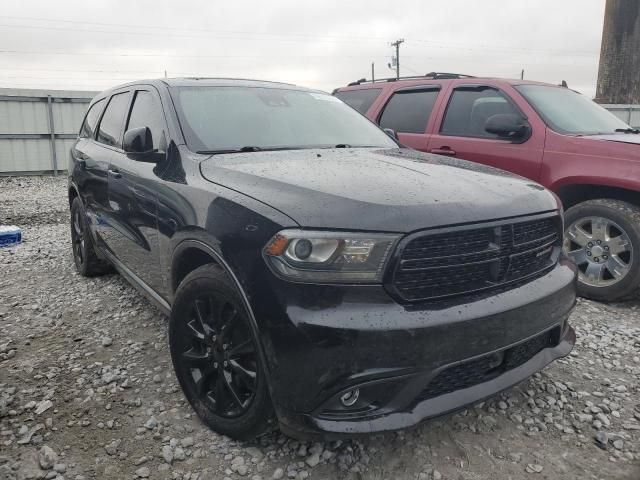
(10, 235)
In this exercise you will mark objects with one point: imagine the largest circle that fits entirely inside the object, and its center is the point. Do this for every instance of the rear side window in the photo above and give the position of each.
(361, 100)
(146, 112)
(469, 109)
(409, 111)
(91, 120)
(113, 120)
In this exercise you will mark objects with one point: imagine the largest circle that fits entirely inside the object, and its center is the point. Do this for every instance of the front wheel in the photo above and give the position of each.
(215, 355)
(603, 238)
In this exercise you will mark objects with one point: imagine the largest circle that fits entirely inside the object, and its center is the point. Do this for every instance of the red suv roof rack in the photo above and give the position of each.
(428, 76)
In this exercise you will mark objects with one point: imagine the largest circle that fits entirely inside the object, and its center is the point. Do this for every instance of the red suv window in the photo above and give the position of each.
(361, 100)
(470, 107)
(408, 111)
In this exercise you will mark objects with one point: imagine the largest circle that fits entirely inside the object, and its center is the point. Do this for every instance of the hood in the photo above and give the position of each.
(396, 190)
(618, 137)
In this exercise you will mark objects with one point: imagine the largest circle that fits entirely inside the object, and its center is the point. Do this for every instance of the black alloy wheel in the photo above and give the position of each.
(85, 258)
(216, 357)
(220, 354)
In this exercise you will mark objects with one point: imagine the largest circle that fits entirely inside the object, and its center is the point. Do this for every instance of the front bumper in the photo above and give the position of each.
(321, 342)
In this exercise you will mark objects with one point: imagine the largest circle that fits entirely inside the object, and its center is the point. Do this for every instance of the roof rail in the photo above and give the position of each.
(428, 76)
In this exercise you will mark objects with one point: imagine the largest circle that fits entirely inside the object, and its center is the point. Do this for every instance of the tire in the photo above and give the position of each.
(216, 358)
(87, 262)
(603, 238)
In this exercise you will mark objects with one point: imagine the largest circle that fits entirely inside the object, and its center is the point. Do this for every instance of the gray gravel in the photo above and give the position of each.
(87, 390)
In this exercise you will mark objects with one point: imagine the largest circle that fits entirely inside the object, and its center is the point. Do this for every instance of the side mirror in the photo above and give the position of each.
(507, 125)
(138, 140)
(392, 133)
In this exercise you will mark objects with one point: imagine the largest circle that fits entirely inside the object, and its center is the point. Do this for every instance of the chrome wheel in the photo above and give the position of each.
(601, 248)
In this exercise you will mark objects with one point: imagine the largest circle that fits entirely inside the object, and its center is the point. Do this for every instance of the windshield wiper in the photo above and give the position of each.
(230, 150)
(627, 130)
(348, 145)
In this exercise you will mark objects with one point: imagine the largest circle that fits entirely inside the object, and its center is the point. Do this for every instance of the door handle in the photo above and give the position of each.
(444, 151)
(115, 173)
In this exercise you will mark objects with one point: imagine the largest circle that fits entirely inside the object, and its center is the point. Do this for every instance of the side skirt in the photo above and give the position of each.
(142, 287)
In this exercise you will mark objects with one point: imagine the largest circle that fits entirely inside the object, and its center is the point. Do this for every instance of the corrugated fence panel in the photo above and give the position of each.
(63, 148)
(627, 113)
(67, 117)
(32, 155)
(23, 117)
(25, 136)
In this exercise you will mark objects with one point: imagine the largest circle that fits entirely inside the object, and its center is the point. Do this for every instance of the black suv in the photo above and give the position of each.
(316, 274)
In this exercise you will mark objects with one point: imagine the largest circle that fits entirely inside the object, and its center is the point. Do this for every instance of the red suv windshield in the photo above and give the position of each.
(568, 112)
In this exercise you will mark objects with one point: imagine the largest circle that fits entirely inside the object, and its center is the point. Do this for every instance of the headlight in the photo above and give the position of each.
(329, 257)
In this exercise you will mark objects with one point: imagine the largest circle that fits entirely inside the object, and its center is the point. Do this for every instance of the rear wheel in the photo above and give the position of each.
(603, 238)
(87, 262)
(215, 355)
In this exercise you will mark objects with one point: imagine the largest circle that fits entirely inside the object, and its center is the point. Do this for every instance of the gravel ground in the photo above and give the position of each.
(87, 389)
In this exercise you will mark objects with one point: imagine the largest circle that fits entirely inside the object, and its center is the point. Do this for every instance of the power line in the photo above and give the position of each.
(190, 29)
(283, 37)
(105, 54)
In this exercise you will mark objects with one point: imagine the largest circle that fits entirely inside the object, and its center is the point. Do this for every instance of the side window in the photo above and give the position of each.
(469, 109)
(409, 111)
(146, 112)
(360, 100)
(110, 128)
(88, 127)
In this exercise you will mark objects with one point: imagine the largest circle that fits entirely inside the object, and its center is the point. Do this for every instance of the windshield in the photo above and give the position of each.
(569, 112)
(232, 118)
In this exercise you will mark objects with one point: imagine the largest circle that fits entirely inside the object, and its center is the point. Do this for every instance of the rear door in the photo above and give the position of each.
(90, 168)
(133, 191)
(408, 112)
(109, 141)
(460, 132)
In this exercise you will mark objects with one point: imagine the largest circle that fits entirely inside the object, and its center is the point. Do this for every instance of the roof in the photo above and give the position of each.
(429, 79)
(206, 82)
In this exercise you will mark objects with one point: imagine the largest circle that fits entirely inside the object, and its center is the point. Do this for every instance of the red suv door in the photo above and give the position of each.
(460, 131)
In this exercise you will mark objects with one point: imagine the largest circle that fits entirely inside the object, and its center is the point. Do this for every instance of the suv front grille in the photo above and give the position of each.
(478, 258)
(484, 369)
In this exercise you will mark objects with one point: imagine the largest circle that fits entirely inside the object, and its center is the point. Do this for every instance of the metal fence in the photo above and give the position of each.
(37, 129)
(629, 114)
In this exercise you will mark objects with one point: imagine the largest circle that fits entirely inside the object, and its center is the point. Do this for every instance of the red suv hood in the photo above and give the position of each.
(618, 137)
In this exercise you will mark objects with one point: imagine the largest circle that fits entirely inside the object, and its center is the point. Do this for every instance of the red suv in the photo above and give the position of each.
(550, 134)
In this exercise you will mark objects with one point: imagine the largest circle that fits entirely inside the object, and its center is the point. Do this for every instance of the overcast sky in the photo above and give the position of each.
(92, 45)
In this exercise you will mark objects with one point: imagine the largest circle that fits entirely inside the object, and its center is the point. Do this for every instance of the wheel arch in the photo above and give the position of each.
(189, 255)
(572, 194)
(72, 194)
(203, 251)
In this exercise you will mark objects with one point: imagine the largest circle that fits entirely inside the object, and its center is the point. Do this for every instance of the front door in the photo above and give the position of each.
(133, 197)
(462, 134)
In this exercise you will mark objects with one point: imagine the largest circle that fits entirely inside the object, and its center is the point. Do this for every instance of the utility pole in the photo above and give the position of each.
(397, 44)
(522, 75)
(373, 72)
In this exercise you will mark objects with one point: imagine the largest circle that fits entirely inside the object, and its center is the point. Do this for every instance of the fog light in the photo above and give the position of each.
(350, 398)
